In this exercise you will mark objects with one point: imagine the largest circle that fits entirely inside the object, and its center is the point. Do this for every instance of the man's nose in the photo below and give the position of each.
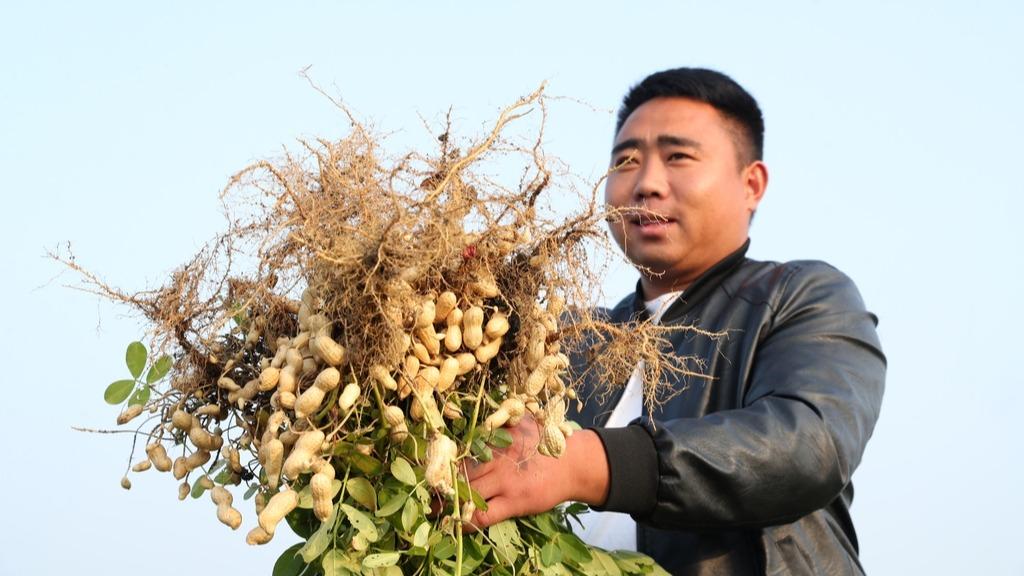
(651, 180)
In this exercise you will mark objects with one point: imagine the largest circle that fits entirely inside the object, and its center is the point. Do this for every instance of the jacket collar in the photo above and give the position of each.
(704, 285)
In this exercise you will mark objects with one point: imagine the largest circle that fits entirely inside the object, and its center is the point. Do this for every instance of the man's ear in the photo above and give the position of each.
(755, 180)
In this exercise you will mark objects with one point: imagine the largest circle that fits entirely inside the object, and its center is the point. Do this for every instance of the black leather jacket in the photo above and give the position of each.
(748, 471)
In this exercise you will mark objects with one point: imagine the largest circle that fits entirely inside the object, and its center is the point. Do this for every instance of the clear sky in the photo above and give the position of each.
(893, 142)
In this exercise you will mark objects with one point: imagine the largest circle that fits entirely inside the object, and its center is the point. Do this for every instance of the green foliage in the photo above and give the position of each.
(381, 560)
(394, 504)
(410, 514)
(500, 438)
(198, 490)
(390, 530)
(303, 522)
(137, 391)
(362, 491)
(318, 542)
(402, 470)
(159, 369)
(135, 358)
(118, 391)
(366, 527)
(140, 396)
(290, 563)
(505, 538)
(385, 522)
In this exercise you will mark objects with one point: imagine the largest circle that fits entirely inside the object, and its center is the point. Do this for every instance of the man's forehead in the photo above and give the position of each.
(667, 116)
(674, 121)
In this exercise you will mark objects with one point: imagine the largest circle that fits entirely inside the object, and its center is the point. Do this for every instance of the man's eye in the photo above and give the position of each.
(679, 156)
(624, 161)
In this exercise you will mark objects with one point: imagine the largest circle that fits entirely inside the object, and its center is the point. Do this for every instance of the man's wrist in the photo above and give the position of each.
(631, 459)
(588, 466)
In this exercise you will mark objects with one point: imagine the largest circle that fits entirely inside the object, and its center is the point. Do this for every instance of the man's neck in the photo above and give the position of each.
(655, 286)
(654, 289)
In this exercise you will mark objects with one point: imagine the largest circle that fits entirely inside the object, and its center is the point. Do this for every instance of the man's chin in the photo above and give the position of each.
(650, 268)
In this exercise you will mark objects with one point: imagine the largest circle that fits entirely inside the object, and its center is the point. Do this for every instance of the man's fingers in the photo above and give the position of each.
(474, 469)
(487, 486)
(498, 509)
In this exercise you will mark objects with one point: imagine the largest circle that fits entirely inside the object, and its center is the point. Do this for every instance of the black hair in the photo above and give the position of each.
(711, 87)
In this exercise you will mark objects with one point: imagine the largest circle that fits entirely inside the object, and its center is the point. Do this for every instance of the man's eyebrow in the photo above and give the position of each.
(625, 145)
(668, 140)
(663, 141)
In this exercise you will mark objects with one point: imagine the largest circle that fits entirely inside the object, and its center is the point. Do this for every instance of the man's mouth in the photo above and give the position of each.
(650, 221)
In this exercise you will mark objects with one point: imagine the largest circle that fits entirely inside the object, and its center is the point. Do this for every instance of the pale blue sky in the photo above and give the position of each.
(893, 136)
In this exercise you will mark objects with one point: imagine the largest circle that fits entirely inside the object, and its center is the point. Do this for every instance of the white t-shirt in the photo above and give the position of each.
(615, 530)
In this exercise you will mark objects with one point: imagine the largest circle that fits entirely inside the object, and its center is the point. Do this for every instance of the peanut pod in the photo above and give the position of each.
(279, 506)
(306, 449)
(472, 327)
(225, 513)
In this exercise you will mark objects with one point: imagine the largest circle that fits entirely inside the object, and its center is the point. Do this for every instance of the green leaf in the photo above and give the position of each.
(548, 523)
(422, 535)
(505, 538)
(550, 554)
(481, 451)
(500, 438)
(381, 560)
(366, 464)
(118, 391)
(392, 506)
(410, 514)
(240, 316)
(573, 548)
(473, 553)
(466, 493)
(557, 569)
(607, 562)
(289, 563)
(303, 522)
(335, 563)
(362, 491)
(402, 470)
(424, 496)
(318, 542)
(198, 490)
(632, 562)
(140, 397)
(443, 549)
(250, 492)
(159, 369)
(576, 508)
(362, 523)
(223, 477)
(135, 358)
(305, 498)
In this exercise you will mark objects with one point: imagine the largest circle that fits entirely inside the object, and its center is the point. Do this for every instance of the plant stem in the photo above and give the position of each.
(476, 416)
(458, 518)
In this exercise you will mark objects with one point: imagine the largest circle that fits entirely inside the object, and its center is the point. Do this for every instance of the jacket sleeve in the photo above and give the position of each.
(813, 396)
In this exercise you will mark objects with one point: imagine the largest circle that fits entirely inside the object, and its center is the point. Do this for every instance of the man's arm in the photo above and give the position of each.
(814, 397)
(813, 400)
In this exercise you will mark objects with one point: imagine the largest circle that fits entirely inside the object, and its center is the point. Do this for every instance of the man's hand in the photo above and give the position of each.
(520, 481)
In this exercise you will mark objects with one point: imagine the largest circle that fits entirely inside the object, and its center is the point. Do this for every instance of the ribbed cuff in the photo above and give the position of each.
(633, 470)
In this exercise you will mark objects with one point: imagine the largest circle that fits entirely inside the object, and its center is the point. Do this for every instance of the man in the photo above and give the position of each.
(746, 471)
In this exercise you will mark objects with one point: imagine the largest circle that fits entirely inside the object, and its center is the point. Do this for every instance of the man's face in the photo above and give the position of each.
(678, 158)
